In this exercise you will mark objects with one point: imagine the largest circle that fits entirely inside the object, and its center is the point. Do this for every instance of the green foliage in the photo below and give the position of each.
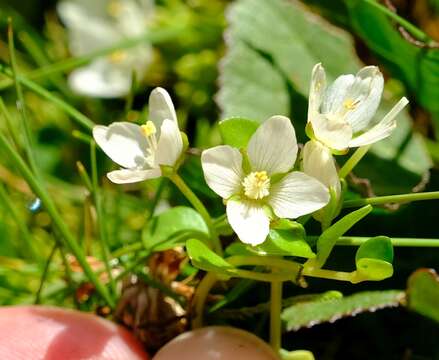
(204, 258)
(418, 67)
(423, 293)
(374, 259)
(172, 228)
(312, 313)
(329, 237)
(237, 132)
(286, 238)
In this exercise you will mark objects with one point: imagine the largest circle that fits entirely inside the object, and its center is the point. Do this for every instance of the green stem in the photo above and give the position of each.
(154, 37)
(198, 205)
(45, 274)
(10, 124)
(28, 138)
(401, 242)
(327, 274)
(103, 235)
(275, 312)
(28, 246)
(353, 161)
(80, 118)
(50, 207)
(400, 20)
(290, 271)
(403, 198)
(200, 297)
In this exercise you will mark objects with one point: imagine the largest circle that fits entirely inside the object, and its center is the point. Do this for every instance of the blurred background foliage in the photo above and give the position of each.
(248, 58)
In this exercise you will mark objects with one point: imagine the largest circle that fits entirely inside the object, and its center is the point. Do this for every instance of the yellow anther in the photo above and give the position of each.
(149, 129)
(116, 57)
(114, 8)
(350, 104)
(256, 185)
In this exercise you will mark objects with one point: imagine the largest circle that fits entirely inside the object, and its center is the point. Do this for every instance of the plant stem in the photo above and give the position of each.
(80, 118)
(353, 161)
(28, 246)
(198, 205)
(97, 197)
(327, 274)
(153, 37)
(28, 138)
(280, 264)
(45, 273)
(275, 311)
(400, 20)
(10, 124)
(401, 242)
(50, 206)
(200, 297)
(402, 198)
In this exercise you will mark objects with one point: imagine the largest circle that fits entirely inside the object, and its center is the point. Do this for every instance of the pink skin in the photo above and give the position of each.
(49, 333)
(216, 343)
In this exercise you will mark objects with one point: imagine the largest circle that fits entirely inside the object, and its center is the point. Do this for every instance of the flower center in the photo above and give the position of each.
(114, 8)
(350, 104)
(118, 56)
(256, 185)
(149, 130)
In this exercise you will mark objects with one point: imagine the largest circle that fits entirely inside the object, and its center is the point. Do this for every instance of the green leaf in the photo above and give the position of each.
(312, 313)
(418, 67)
(374, 259)
(286, 239)
(172, 228)
(267, 51)
(423, 293)
(250, 86)
(205, 259)
(237, 132)
(329, 237)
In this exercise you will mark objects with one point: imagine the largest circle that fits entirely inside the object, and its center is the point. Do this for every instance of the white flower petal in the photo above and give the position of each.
(161, 108)
(381, 130)
(318, 85)
(297, 194)
(127, 176)
(87, 27)
(366, 91)
(335, 94)
(273, 147)
(123, 142)
(170, 144)
(249, 221)
(319, 163)
(100, 79)
(222, 167)
(335, 133)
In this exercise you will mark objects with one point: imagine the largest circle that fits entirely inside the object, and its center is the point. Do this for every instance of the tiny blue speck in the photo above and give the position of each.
(35, 205)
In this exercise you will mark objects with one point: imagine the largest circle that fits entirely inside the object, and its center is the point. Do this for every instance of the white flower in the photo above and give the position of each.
(265, 182)
(140, 150)
(318, 162)
(341, 114)
(97, 24)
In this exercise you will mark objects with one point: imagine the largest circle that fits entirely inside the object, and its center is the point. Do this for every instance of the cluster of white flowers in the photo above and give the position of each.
(259, 183)
(96, 24)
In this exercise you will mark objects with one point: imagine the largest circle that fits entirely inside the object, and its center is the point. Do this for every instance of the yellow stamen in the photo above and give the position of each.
(114, 8)
(116, 57)
(149, 128)
(350, 104)
(256, 185)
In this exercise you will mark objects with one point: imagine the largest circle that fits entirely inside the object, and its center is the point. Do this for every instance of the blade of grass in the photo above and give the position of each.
(28, 138)
(45, 273)
(52, 210)
(27, 249)
(80, 118)
(152, 37)
(97, 197)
